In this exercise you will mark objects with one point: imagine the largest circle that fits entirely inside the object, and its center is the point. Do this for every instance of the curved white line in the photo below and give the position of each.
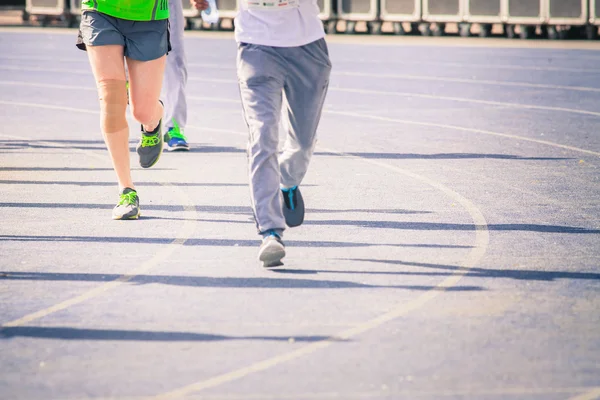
(44, 69)
(469, 81)
(377, 92)
(460, 128)
(430, 96)
(163, 254)
(341, 73)
(478, 251)
(48, 106)
(352, 114)
(474, 66)
(47, 85)
(593, 394)
(465, 100)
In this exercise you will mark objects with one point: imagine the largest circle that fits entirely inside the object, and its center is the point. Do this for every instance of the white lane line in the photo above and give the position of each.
(468, 81)
(374, 92)
(465, 100)
(63, 71)
(459, 128)
(593, 394)
(48, 106)
(476, 253)
(386, 119)
(434, 97)
(475, 66)
(354, 114)
(187, 230)
(387, 394)
(44, 58)
(47, 85)
(418, 95)
(223, 66)
(479, 249)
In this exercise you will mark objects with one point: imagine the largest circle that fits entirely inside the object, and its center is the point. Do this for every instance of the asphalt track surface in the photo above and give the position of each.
(451, 248)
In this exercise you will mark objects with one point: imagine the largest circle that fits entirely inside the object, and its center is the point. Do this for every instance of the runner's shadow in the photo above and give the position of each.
(447, 270)
(68, 333)
(444, 156)
(211, 208)
(215, 149)
(153, 207)
(437, 226)
(97, 183)
(220, 282)
(213, 242)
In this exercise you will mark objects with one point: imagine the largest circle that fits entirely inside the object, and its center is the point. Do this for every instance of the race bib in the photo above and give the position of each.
(272, 5)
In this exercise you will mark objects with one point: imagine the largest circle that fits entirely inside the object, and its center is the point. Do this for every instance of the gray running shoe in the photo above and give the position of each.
(293, 206)
(272, 250)
(129, 205)
(150, 146)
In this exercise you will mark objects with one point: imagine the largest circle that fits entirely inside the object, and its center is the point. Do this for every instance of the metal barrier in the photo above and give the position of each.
(46, 7)
(559, 19)
(594, 19)
(440, 12)
(526, 14)
(595, 12)
(485, 13)
(352, 11)
(398, 11)
(75, 7)
(567, 12)
(401, 10)
(328, 15)
(443, 10)
(569, 18)
(228, 9)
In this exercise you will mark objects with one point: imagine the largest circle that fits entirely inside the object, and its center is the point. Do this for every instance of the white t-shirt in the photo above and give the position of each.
(278, 23)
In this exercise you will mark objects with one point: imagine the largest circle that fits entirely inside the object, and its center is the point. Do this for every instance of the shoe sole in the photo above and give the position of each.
(178, 148)
(271, 255)
(125, 218)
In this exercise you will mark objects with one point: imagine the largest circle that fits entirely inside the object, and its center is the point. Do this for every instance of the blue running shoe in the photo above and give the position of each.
(293, 206)
(175, 139)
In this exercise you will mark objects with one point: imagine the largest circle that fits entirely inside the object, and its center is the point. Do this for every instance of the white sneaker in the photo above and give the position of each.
(271, 251)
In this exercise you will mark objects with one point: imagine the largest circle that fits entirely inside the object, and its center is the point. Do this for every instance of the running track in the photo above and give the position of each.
(451, 248)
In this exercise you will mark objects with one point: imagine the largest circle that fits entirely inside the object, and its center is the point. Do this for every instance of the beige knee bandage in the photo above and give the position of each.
(113, 103)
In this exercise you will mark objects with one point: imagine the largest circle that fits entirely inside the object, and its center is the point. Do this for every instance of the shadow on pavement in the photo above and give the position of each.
(209, 242)
(66, 333)
(221, 282)
(518, 274)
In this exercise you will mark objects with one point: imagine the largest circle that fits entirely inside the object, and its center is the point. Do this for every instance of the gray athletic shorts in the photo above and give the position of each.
(142, 40)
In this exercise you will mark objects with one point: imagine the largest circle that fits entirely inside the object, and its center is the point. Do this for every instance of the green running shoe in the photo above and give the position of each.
(128, 206)
(150, 146)
(175, 139)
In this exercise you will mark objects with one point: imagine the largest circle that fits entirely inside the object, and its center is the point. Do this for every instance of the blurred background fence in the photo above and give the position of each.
(526, 19)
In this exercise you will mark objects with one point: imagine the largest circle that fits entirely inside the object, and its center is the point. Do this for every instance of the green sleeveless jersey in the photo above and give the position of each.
(133, 10)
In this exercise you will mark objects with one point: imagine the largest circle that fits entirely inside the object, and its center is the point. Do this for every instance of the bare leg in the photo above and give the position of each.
(145, 83)
(108, 64)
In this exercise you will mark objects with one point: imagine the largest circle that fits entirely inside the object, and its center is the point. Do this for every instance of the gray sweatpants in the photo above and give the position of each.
(175, 79)
(269, 78)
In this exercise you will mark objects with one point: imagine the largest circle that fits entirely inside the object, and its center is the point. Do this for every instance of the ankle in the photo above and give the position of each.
(271, 232)
(152, 131)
